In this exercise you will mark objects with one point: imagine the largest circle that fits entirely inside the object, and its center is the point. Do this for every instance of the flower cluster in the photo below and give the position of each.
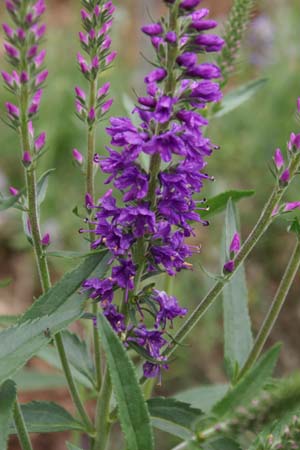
(146, 235)
(95, 42)
(26, 80)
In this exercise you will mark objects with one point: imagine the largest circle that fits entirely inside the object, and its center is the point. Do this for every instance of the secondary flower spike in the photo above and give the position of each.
(22, 50)
(146, 232)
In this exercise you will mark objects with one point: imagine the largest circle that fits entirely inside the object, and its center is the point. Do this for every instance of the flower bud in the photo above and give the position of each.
(13, 191)
(278, 159)
(26, 159)
(78, 157)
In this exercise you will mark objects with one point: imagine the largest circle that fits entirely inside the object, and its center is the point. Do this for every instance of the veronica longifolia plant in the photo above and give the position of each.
(154, 169)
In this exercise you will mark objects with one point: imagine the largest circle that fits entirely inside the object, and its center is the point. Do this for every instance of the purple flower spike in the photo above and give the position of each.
(235, 244)
(278, 159)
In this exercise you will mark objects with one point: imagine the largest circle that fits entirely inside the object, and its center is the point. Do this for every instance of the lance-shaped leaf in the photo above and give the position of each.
(173, 416)
(249, 386)
(71, 446)
(47, 417)
(237, 326)
(216, 205)
(242, 94)
(51, 313)
(132, 408)
(203, 397)
(42, 186)
(32, 380)
(8, 394)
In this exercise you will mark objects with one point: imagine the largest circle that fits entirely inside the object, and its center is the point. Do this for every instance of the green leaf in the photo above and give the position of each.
(9, 202)
(242, 94)
(173, 416)
(51, 313)
(50, 356)
(8, 320)
(32, 380)
(47, 417)
(203, 397)
(42, 186)
(238, 339)
(222, 444)
(218, 203)
(73, 255)
(249, 386)
(8, 394)
(132, 408)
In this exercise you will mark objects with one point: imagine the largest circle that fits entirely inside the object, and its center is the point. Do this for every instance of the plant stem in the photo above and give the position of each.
(90, 189)
(258, 231)
(274, 310)
(102, 421)
(41, 260)
(71, 384)
(21, 428)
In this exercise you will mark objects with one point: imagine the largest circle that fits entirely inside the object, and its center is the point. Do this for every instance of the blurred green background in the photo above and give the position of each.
(248, 137)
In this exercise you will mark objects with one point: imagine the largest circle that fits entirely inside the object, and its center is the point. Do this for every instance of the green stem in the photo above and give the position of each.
(274, 310)
(21, 428)
(258, 231)
(90, 189)
(102, 421)
(71, 384)
(41, 260)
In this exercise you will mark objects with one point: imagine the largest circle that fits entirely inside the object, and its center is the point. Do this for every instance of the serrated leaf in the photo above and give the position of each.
(32, 380)
(52, 312)
(173, 416)
(238, 339)
(218, 203)
(249, 386)
(204, 397)
(47, 417)
(242, 94)
(132, 409)
(8, 394)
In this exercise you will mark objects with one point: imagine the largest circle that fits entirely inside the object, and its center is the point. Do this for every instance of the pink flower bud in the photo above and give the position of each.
(229, 266)
(39, 59)
(278, 159)
(40, 142)
(24, 78)
(21, 34)
(84, 15)
(13, 191)
(106, 106)
(110, 58)
(80, 93)
(46, 240)
(235, 244)
(77, 156)
(103, 90)
(92, 115)
(285, 177)
(89, 204)
(291, 206)
(7, 78)
(26, 159)
(83, 38)
(41, 77)
(95, 63)
(32, 52)
(106, 43)
(12, 51)
(12, 110)
(8, 30)
(30, 129)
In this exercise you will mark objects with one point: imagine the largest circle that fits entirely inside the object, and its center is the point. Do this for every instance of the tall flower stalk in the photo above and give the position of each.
(26, 84)
(146, 234)
(92, 107)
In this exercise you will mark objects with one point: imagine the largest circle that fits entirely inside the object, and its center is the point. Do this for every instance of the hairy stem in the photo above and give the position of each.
(258, 231)
(102, 421)
(41, 260)
(21, 428)
(274, 310)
